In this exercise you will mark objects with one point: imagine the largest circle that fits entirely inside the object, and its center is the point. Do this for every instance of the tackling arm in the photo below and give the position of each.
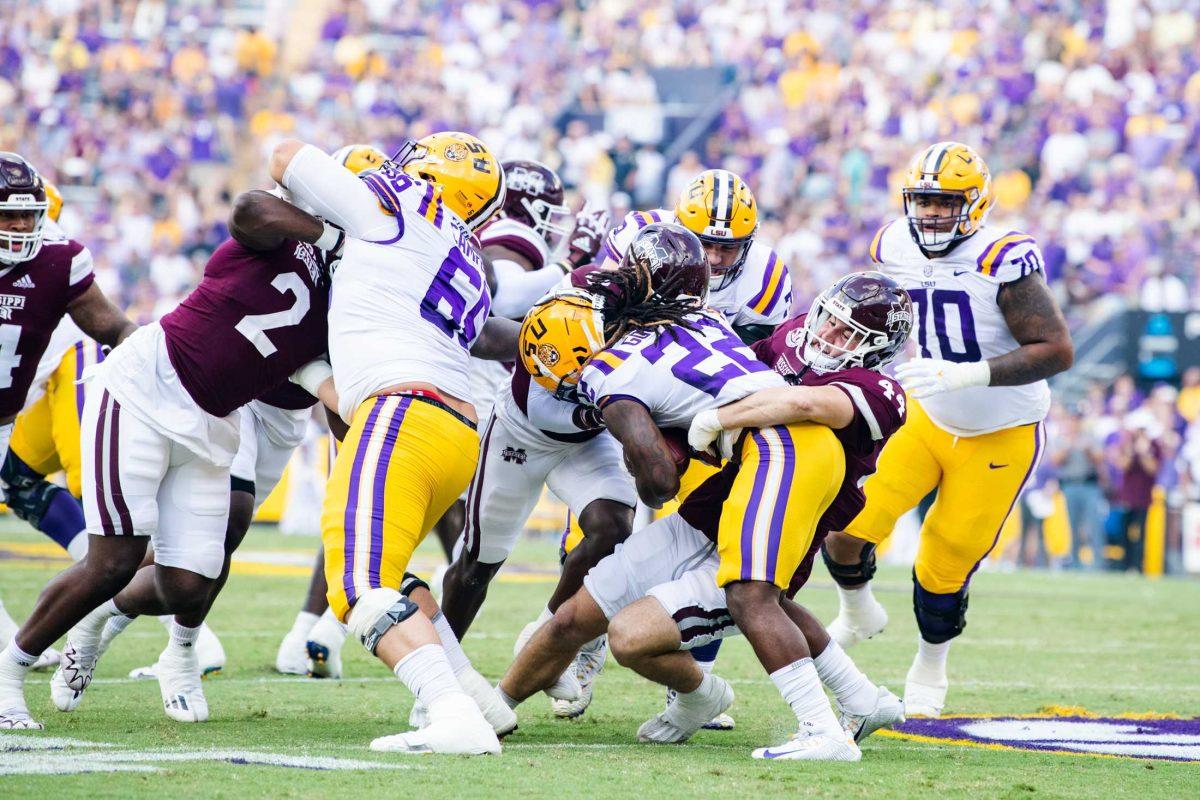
(498, 340)
(331, 190)
(262, 221)
(1037, 324)
(782, 405)
(96, 316)
(646, 453)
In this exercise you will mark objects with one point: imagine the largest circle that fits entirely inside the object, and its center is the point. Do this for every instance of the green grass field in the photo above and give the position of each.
(1109, 644)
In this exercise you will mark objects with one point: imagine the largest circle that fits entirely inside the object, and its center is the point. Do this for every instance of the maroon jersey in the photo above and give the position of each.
(879, 411)
(34, 296)
(255, 318)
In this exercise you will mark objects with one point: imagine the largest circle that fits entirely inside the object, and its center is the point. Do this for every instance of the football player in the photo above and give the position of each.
(410, 304)
(44, 276)
(989, 334)
(747, 537)
(749, 284)
(539, 435)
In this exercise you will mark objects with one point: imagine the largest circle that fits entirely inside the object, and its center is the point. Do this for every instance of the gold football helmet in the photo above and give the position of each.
(53, 200)
(946, 177)
(469, 176)
(719, 208)
(559, 337)
(359, 157)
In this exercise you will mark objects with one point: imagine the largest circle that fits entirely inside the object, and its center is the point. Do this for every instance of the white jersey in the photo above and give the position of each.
(408, 298)
(676, 372)
(957, 319)
(518, 237)
(761, 294)
(65, 336)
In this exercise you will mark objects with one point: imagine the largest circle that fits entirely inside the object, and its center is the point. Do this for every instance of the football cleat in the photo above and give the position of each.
(178, 673)
(806, 745)
(18, 718)
(210, 654)
(46, 660)
(848, 629)
(502, 718)
(686, 715)
(588, 664)
(721, 722)
(325, 647)
(924, 694)
(73, 676)
(888, 713)
(292, 656)
(456, 726)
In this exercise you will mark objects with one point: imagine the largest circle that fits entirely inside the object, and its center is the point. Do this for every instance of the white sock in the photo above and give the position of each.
(15, 662)
(800, 686)
(931, 658)
(853, 690)
(77, 548)
(427, 674)
(304, 624)
(87, 633)
(855, 600)
(183, 636)
(545, 616)
(706, 666)
(508, 701)
(454, 652)
(8, 625)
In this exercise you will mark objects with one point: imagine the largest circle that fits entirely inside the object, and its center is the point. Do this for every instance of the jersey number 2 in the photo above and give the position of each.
(255, 326)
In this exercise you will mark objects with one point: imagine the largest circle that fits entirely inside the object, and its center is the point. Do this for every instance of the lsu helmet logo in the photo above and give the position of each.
(456, 152)
(548, 353)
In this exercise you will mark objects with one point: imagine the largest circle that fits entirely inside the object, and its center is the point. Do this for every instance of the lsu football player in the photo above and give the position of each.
(989, 335)
(410, 304)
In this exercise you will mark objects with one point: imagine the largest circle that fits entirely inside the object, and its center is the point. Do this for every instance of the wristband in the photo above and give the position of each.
(331, 238)
(312, 375)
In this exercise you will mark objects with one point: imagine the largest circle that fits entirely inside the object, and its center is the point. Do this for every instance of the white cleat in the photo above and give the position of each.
(924, 695)
(502, 718)
(17, 718)
(292, 657)
(209, 654)
(888, 713)
(811, 746)
(721, 722)
(566, 687)
(71, 679)
(456, 726)
(850, 629)
(686, 715)
(46, 660)
(325, 647)
(588, 664)
(419, 716)
(178, 673)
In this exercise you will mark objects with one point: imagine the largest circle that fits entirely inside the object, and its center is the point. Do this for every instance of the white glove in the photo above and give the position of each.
(925, 377)
(707, 436)
(312, 375)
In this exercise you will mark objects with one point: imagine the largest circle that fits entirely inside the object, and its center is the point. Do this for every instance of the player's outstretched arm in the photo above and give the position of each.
(781, 405)
(329, 189)
(498, 340)
(262, 221)
(96, 316)
(646, 453)
(1037, 324)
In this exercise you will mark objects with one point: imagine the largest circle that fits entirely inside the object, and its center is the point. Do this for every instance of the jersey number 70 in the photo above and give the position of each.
(938, 302)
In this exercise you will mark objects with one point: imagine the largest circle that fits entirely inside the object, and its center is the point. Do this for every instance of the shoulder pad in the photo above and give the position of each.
(1009, 257)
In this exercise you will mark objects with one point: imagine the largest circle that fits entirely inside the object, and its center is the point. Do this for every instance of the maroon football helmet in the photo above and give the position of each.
(534, 196)
(674, 260)
(862, 320)
(22, 193)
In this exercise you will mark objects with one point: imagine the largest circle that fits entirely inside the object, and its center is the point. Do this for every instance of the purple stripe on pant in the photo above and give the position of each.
(114, 473)
(352, 499)
(377, 492)
(106, 523)
(785, 489)
(756, 494)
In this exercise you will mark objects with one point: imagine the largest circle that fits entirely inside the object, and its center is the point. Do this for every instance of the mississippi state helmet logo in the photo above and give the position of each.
(523, 180)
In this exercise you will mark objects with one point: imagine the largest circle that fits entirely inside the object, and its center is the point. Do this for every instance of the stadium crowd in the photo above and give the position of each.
(1088, 114)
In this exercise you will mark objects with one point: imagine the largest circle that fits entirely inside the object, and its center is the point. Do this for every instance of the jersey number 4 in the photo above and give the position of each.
(9, 360)
(255, 326)
(942, 304)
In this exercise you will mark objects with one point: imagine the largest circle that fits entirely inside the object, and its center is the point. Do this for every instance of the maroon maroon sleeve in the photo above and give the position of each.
(879, 404)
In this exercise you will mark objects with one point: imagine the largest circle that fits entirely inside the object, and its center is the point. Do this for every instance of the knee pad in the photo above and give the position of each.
(940, 617)
(376, 613)
(28, 494)
(411, 583)
(851, 575)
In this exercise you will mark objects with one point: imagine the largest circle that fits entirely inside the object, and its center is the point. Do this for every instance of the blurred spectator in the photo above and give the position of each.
(1077, 458)
(1137, 456)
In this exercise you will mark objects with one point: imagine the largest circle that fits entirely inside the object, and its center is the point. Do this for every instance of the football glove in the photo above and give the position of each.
(925, 377)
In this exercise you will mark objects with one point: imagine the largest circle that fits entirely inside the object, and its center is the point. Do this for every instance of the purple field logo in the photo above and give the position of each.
(1167, 739)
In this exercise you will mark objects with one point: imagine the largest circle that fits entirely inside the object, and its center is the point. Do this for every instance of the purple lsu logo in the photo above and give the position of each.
(1165, 739)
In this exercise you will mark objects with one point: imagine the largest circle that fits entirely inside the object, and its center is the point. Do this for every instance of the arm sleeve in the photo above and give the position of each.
(82, 275)
(335, 193)
(517, 290)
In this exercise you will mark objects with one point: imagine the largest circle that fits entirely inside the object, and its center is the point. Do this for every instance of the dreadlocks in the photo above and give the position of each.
(630, 302)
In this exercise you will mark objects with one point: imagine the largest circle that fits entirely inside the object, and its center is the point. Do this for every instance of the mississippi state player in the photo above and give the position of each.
(410, 304)
(44, 276)
(989, 334)
(801, 458)
(540, 436)
(160, 429)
